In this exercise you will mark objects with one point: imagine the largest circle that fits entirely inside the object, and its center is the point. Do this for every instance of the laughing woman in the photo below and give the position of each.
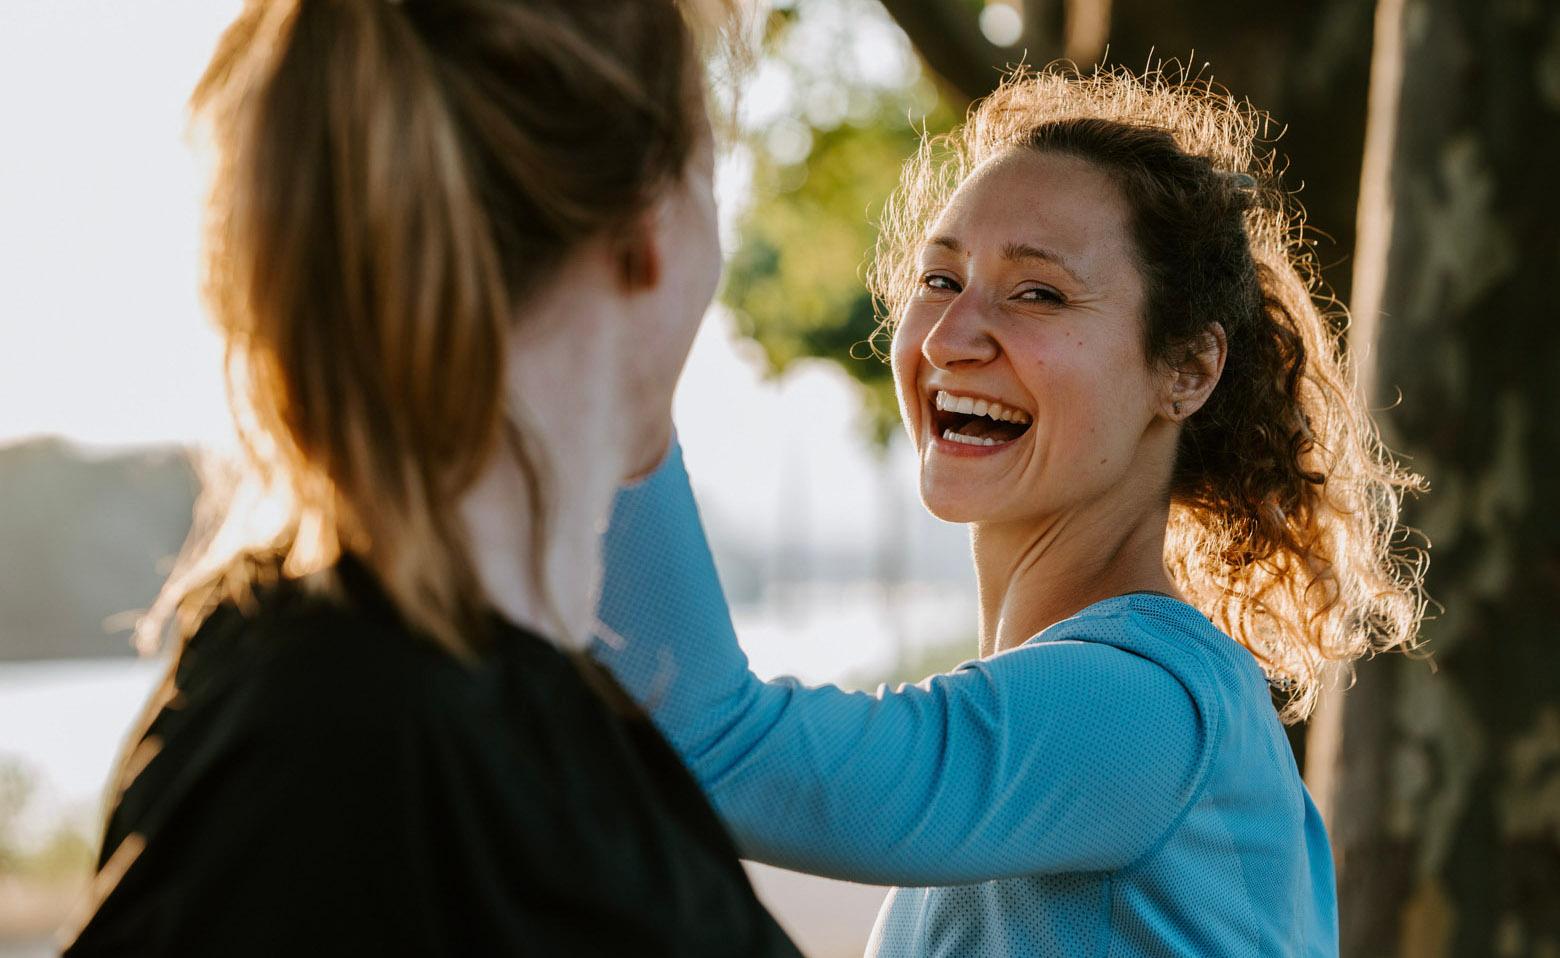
(1112, 366)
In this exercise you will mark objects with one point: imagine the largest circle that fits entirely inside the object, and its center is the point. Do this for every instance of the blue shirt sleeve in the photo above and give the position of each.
(1056, 756)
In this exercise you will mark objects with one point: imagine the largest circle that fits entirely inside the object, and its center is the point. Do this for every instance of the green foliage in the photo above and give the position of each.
(796, 284)
(65, 853)
(16, 790)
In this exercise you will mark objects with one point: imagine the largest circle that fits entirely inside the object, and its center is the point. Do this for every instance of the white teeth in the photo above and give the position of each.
(969, 440)
(978, 407)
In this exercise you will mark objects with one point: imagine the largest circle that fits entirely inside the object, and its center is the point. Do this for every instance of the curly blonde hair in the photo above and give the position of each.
(1284, 504)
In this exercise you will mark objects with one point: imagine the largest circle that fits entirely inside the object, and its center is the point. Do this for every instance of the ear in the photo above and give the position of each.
(639, 254)
(1191, 382)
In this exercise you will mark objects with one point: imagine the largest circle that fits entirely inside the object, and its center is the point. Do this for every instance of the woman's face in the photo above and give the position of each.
(1027, 295)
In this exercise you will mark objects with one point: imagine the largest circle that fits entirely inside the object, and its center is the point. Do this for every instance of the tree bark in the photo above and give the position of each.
(1306, 63)
(1441, 787)
(947, 35)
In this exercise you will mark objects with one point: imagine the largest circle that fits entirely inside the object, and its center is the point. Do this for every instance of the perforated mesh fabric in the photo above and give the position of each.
(1119, 785)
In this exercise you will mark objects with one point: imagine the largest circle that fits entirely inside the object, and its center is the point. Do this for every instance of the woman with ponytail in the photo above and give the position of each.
(1116, 367)
(458, 251)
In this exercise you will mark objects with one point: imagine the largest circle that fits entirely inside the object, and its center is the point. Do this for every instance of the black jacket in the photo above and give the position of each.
(327, 782)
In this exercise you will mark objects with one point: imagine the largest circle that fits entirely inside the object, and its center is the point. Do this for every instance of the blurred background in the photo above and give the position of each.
(1421, 135)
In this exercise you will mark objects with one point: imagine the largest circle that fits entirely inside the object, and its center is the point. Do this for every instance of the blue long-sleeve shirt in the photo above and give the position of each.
(1119, 785)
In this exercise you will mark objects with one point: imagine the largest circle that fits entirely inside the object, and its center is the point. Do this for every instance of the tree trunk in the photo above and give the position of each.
(1441, 787)
(1306, 62)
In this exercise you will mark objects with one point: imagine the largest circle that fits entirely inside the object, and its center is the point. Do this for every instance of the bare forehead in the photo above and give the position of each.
(1046, 201)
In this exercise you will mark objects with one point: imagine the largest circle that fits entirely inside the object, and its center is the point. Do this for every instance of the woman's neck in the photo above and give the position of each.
(1035, 573)
(559, 375)
(498, 518)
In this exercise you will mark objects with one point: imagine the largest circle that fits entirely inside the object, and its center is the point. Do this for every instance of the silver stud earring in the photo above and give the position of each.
(1177, 407)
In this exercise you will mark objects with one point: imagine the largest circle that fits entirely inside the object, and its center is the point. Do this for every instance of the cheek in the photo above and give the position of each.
(1107, 425)
(1088, 399)
(904, 355)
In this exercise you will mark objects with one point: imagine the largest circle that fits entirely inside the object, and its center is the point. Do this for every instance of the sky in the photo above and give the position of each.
(103, 338)
(101, 334)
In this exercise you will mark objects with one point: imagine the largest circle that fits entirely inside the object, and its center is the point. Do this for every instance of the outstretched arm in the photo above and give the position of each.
(1055, 756)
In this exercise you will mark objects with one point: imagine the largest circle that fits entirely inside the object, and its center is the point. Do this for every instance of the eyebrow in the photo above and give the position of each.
(1013, 253)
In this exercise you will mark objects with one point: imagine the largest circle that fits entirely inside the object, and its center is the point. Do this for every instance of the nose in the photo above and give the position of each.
(960, 338)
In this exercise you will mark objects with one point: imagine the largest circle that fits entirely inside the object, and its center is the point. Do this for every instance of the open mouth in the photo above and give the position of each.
(976, 422)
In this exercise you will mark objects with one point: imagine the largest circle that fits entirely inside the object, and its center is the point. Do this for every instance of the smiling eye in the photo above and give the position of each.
(939, 281)
(1040, 294)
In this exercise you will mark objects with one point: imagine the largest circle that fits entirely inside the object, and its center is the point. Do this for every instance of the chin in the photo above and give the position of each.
(953, 507)
(959, 516)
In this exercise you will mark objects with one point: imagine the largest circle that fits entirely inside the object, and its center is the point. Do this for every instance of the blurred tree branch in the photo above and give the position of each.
(947, 33)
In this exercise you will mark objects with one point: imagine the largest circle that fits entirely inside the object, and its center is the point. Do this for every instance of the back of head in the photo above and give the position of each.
(1284, 505)
(394, 179)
